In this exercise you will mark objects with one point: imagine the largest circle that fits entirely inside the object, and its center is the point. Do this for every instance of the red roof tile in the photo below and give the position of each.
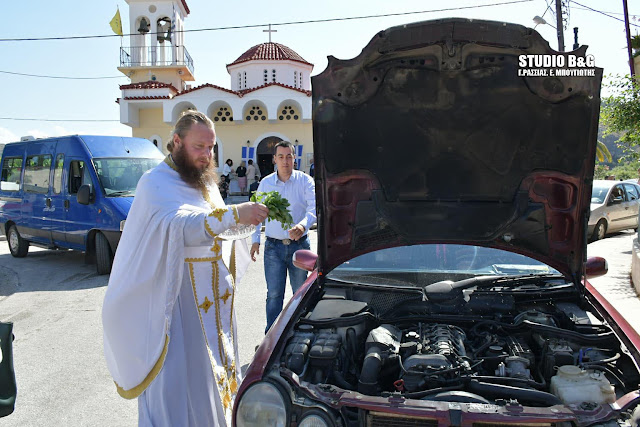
(144, 97)
(269, 52)
(203, 86)
(245, 91)
(184, 3)
(151, 84)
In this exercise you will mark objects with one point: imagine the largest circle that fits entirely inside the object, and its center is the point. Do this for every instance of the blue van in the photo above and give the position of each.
(71, 192)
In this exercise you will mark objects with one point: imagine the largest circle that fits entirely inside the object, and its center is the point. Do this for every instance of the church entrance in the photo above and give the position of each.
(265, 154)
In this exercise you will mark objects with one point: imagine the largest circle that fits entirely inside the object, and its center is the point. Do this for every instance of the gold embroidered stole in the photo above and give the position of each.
(214, 296)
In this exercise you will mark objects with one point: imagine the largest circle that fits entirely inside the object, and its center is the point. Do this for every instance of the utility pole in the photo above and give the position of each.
(559, 26)
(626, 26)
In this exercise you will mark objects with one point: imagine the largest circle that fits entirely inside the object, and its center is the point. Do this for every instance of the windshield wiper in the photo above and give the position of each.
(448, 286)
(120, 193)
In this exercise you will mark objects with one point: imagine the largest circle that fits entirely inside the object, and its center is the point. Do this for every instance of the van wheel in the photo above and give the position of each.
(104, 257)
(17, 245)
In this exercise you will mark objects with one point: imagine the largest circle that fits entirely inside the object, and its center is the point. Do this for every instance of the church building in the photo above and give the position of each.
(269, 100)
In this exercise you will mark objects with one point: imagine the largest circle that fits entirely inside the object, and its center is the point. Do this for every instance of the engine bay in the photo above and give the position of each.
(521, 347)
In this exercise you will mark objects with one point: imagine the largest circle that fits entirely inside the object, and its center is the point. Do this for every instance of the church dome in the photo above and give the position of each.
(269, 51)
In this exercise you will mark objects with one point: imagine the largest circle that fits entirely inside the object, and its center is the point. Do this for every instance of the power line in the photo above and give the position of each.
(57, 120)
(62, 77)
(314, 21)
(602, 13)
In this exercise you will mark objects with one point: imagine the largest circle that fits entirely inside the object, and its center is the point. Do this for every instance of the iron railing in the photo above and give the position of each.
(155, 56)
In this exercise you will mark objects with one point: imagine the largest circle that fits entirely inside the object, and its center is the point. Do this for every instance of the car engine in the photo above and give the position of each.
(538, 355)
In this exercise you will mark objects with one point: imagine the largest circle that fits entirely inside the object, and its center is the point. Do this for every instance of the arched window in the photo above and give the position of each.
(256, 113)
(223, 114)
(288, 113)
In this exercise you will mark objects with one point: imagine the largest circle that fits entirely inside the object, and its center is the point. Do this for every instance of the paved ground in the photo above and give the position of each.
(54, 300)
(616, 285)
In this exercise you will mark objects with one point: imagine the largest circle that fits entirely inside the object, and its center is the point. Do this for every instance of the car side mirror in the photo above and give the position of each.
(304, 259)
(85, 194)
(596, 267)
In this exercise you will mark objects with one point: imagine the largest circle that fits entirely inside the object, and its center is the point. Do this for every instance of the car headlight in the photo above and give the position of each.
(313, 420)
(262, 405)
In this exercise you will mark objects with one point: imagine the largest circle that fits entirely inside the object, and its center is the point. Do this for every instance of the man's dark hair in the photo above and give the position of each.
(250, 162)
(283, 144)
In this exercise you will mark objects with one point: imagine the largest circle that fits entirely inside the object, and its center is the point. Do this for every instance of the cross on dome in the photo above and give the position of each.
(269, 31)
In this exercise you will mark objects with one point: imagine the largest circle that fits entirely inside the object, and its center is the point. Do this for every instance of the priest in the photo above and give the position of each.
(168, 316)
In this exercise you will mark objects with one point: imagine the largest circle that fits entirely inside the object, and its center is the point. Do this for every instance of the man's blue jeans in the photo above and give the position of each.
(278, 259)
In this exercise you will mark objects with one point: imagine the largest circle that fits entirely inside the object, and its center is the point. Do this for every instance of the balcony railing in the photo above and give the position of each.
(155, 56)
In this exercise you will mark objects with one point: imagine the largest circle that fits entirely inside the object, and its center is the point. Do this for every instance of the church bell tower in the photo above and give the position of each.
(156, 50)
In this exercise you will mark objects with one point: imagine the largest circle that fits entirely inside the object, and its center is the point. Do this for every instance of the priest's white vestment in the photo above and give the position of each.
(169, 326)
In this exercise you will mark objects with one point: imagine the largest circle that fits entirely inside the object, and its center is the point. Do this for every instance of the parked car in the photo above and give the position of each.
(71, 192)
(449, 286)
(614, 207)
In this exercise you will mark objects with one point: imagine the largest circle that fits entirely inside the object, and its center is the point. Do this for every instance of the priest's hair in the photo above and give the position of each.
(184, 123)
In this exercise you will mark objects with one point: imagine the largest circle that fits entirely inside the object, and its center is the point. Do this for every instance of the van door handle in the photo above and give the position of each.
(48, 202)
(66, 204)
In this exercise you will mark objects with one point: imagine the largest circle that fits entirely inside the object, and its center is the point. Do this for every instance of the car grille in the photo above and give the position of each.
(376, 419)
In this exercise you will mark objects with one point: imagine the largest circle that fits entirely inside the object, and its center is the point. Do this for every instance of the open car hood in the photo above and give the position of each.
(430, 135)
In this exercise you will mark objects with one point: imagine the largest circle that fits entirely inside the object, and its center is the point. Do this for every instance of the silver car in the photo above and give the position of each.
(614, 207)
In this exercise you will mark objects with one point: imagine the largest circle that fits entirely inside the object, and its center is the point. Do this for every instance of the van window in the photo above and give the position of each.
(57, 174)
(11, 169)
(119, 176)
(78, 175)
(36, 173)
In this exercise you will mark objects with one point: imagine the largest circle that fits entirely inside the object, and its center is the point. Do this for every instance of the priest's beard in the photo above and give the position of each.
(199, 177)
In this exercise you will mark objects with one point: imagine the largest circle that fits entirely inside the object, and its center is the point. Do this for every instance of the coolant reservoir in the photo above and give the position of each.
(572, 384)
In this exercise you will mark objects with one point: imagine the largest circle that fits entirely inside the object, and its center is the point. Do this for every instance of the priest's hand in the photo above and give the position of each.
(252, 213)
(255, 249)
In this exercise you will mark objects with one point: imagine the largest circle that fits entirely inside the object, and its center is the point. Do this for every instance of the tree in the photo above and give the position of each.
(620, 113)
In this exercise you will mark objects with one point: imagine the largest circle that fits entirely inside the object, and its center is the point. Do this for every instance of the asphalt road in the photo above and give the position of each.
(55, 300)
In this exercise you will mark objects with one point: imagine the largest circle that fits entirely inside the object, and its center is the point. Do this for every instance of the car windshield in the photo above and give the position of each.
(420, 265)
(599, 193)
(119, 176)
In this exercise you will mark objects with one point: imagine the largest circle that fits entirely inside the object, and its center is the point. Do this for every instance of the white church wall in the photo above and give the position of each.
(285, 71)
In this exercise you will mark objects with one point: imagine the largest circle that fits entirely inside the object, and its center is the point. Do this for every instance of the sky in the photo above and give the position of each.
(66, 101)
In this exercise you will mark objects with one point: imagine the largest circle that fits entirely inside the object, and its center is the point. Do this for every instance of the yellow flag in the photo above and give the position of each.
(116, 23)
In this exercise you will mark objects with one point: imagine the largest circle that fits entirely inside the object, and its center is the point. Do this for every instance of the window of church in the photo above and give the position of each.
(223, 115)
(239, 81)
(295, 79)
(273, 75)
(266, 76)
(245, 79)
(300, 82)
(288, 113)
(256, 113)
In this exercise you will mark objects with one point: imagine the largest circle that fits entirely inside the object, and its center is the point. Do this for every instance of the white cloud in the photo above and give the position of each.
(7, 136)
(36, 133)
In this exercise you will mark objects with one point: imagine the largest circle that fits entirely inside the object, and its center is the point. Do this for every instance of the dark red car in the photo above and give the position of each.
(449, 288)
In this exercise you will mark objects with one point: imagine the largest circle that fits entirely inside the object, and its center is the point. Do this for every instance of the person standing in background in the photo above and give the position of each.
(299, 189)
(226, 170)
(241, 171)
(252, 172)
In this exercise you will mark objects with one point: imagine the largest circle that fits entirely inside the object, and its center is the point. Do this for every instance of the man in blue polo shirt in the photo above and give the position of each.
(299, 189)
